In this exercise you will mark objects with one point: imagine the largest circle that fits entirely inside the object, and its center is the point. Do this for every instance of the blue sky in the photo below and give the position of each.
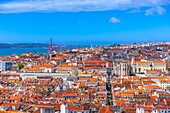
(84, 21)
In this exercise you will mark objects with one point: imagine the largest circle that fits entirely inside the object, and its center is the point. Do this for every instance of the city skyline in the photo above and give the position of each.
(84, 56)
(86, 21)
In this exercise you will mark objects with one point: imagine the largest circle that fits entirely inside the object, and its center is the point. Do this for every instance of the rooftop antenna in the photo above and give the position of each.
(50, 48)
(51, 41)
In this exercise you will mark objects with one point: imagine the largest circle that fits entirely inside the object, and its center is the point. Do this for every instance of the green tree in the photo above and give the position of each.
(20, 66)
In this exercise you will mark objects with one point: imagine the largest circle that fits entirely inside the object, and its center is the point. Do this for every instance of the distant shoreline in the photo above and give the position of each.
(8, 50)
(24, 45)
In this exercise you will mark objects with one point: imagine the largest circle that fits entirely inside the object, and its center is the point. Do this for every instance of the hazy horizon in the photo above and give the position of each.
(84, 43)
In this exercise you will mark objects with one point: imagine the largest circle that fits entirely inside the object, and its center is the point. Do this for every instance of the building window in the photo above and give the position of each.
(139, 69)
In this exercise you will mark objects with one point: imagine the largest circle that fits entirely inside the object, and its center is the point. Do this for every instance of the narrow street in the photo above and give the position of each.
(109, 87)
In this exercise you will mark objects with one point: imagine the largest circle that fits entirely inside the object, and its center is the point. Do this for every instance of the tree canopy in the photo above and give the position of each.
(20, 66)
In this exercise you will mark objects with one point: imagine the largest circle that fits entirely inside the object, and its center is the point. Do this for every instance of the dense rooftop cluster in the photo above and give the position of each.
(135, 93)
(130, 78)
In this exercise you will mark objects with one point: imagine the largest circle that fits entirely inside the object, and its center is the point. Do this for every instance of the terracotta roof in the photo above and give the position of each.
(106, 109)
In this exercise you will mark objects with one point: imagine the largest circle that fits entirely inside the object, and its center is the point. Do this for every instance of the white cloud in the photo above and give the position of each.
(114, 20)
(155, 10)
(135, 10)
(75, 5)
